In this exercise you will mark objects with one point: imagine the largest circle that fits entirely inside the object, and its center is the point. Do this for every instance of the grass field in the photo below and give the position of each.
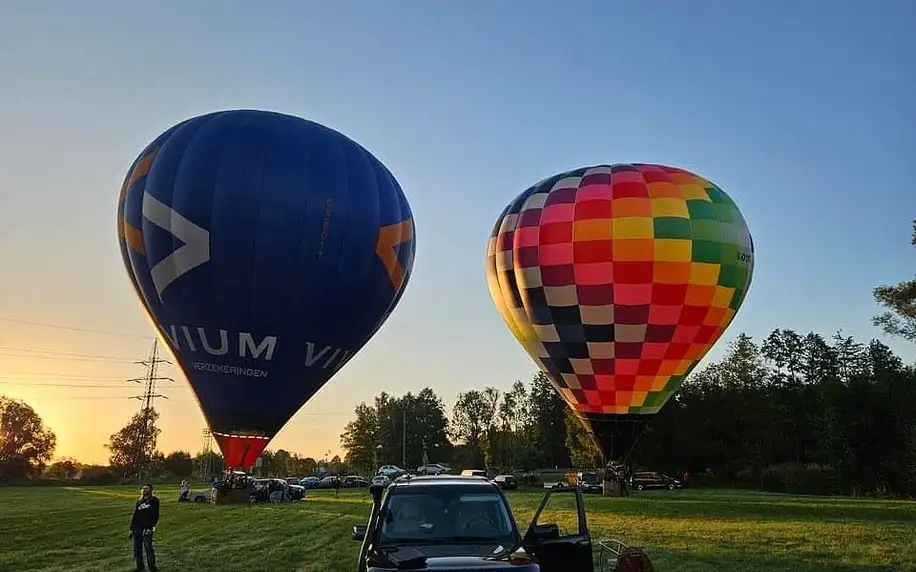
(83, 529)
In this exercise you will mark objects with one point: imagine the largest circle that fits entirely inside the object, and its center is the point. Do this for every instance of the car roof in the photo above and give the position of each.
(444, 480)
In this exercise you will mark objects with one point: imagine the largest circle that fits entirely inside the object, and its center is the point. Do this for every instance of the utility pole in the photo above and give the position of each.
(146, 399)
(404, 440)
(205, 469)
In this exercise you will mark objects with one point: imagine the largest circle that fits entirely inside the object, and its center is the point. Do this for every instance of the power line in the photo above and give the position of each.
(27, 375)
(78, 385)
(72, 328)
(64, 358)
(72, 397)
(12, 350)
(55, 352)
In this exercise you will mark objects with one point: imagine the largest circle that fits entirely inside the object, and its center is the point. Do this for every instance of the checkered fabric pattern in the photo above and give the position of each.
(618, 279)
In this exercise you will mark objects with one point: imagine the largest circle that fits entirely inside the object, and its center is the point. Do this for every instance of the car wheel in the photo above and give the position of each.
(670, 487)
(639, 487)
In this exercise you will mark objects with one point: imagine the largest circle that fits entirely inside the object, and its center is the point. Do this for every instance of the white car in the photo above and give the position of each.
(433, 469)
(389, 471)
(381, 480)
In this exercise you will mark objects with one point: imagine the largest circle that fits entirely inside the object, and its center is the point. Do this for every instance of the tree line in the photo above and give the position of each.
(792, 412)
(27, 447)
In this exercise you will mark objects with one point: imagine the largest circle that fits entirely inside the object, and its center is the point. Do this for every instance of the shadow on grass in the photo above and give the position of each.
(759, 509)
(668, 560)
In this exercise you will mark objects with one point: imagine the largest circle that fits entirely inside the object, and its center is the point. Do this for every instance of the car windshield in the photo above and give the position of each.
(440, 514)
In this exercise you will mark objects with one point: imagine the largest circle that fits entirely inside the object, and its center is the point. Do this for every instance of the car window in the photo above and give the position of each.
(562, 510)
(440, 514)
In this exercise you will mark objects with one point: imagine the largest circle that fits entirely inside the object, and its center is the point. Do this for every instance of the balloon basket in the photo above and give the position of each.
(617, 556)
(611, 488)
(230, 496)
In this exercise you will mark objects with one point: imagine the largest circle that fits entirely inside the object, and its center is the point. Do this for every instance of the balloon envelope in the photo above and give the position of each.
(267, 250)
(617, 280)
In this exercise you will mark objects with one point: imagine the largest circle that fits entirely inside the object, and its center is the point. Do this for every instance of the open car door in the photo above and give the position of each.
(561, 547)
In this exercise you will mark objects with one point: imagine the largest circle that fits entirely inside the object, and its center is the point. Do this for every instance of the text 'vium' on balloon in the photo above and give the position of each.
(216, 343)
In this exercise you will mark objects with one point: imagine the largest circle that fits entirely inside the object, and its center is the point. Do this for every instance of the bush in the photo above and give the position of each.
(801, 479)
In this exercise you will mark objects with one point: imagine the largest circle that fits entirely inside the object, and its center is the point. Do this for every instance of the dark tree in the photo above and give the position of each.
(134, 445)
(26, 445)
(900, 301)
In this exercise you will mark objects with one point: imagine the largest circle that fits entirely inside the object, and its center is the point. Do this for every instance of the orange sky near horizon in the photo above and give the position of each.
(78, 382)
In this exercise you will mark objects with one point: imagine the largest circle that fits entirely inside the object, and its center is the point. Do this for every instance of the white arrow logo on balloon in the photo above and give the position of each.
(194, 251)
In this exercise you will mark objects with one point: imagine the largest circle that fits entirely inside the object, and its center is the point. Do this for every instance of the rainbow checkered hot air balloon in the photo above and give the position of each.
(617, 280)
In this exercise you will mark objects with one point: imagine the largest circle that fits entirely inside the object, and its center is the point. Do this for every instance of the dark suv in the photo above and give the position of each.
(463, 523)
(653, 480)
(589, 482)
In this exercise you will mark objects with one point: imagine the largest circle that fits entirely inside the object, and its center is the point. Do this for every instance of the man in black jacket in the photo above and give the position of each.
(142, 525)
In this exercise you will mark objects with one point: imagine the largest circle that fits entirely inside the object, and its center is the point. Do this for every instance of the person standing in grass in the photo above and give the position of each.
(142, 525)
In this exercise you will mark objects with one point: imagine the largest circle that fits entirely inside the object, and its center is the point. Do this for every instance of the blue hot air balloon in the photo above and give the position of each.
(266, 250)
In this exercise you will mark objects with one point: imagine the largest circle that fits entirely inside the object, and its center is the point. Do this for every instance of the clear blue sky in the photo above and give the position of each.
(805, 112)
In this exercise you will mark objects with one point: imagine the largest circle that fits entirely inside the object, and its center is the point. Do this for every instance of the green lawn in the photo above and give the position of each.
(83, 529)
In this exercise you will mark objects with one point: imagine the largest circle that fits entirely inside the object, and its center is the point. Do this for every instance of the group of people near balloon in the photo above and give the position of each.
(267, 250)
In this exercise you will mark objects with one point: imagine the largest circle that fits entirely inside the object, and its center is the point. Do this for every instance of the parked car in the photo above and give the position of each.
(329, 482)
(309, 482)
(433, 469)
(297, 492)
(468, 524)
(381, 480)
(389, 471)
(506, 482)
(195, 496)
(589, 482)
(261, 490)
(351, 481)
(653, 480)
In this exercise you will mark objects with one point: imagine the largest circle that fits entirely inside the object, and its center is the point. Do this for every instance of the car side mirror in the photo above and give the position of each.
(544, 532)
(359, 531)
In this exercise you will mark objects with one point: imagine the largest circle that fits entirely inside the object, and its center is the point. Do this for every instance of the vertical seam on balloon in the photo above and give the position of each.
(515, 290)
(301, 244)
(380, 175)
(265, 161)
(170, 200)
(157, 144)
(399, 288)
(398, 216)
(212, 283)
(519, 272)
(502, 286)
(334, 267)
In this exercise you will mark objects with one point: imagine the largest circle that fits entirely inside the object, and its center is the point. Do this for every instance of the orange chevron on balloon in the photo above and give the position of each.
(132, 235)
(386, 247)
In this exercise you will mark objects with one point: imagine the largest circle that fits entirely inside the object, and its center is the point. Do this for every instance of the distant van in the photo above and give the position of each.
(474, 473)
